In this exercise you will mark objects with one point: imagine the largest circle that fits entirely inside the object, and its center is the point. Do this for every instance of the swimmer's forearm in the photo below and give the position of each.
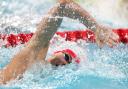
(18, 65)
(75, 11)
(45, 31)
(46, 28)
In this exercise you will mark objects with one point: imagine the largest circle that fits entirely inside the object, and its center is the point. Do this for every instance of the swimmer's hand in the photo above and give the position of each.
(105, 35)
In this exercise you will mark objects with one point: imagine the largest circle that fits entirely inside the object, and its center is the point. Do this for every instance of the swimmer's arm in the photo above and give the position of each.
(18, 65)
(38, 44)
(75, 11)
(79, 13)
(104, 35)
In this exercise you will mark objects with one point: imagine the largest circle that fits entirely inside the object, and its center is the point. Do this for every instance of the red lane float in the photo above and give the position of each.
(15, 39)
(87, 35)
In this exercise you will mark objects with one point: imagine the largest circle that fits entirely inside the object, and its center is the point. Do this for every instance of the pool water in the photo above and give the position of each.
(105, 68)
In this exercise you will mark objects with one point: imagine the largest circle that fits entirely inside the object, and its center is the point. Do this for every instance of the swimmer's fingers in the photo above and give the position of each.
(113, 40)
(111, 43)
(100, 43)
(105, 35)
(115, 37)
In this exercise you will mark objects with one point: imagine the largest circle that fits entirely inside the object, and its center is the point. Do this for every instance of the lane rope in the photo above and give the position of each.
(12, 40)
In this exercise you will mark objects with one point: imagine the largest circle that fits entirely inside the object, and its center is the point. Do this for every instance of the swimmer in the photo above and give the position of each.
(36, 49)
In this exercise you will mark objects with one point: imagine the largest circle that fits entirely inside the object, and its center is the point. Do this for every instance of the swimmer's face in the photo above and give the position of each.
(60, 59)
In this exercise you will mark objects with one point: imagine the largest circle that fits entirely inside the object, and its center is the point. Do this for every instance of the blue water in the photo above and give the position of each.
(105, 68)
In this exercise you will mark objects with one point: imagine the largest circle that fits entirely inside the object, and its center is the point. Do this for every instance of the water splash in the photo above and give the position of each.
(111, 12)
(102, 68)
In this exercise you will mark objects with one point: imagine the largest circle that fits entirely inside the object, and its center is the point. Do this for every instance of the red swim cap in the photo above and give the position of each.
(71, 53)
